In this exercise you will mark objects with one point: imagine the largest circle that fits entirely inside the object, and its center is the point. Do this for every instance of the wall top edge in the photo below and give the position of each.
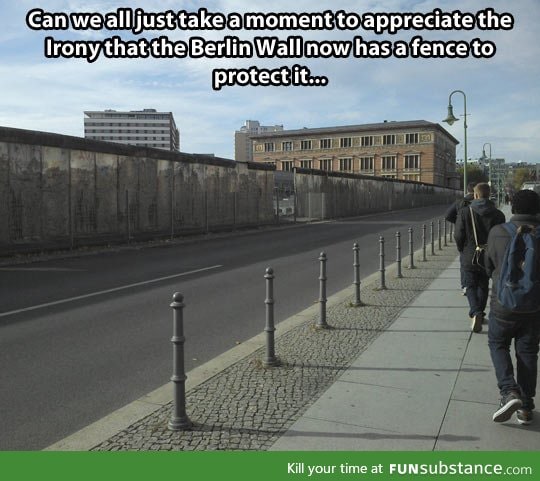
(48, 139)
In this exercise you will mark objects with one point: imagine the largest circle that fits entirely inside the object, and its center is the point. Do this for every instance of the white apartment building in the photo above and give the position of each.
(145, 128)
(243, 145)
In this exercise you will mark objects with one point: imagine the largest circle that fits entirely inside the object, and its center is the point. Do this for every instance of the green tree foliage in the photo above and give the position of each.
(521, 175)
(474, 174)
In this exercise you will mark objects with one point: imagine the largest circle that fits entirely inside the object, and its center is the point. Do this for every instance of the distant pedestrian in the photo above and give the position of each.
(506, 324)
(452, 212)
(451, 216)
(472, 228)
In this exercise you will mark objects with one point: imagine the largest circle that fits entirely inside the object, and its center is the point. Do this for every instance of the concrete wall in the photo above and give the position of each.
(328, 195)
(59, 191)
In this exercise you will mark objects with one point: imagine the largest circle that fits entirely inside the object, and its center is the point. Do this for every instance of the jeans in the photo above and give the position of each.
(526, 335)
(477, 284)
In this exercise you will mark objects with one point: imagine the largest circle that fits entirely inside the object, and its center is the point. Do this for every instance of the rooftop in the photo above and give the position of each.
(386, 125)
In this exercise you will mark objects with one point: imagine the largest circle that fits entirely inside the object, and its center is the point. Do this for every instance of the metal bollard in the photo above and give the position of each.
(381, 266)
(432, 233)
(439, 233)
(356, 279)
(424, 259)
(411, 249)
(179, 420)
(270, 360)
(398, 254)
(322, 324)
(128, 225)
(445, 233)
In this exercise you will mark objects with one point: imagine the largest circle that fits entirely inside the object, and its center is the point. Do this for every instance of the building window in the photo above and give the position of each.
(306, 164)
(286, 146)
(325, 143)
(389, 162)
(326, 164)
(414, 177)
(345, 164)
(305, 145)
(366, 163)
(389, 139)
(345, 142)
(412, 161)
(389, 176)
(366, 141)
(287, 165)
(411, 138)
(268, 146)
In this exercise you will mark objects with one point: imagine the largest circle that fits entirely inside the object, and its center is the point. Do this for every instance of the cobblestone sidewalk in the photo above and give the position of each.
(248, 407)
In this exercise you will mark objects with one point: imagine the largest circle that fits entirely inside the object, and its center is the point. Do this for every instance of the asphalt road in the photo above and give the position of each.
(83, 336)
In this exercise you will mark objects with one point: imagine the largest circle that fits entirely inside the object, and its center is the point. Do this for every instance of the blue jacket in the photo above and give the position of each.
(498, 240)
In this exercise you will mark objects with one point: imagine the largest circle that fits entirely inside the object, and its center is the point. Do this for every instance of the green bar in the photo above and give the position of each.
(268, 466)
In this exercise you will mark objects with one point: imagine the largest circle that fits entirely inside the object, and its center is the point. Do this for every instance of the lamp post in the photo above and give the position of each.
(484, 157)
(450, 119)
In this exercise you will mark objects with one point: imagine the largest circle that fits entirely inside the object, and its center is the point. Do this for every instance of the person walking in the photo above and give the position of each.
(517, 392)
(451, 216)
(473, 224)
(452, 212)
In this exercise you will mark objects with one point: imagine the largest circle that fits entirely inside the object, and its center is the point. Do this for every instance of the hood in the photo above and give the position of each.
(483, 206)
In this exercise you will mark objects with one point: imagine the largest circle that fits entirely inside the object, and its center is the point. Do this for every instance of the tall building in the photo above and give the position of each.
(411, 150)
(146, 128)
(243, 148)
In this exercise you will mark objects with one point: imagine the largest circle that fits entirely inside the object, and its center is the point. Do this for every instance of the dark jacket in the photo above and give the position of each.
(486, 215)
(451, 213)
(498, 240)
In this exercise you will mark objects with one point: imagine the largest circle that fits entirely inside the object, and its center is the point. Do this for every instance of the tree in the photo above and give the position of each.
(474, 174)
(521, 175)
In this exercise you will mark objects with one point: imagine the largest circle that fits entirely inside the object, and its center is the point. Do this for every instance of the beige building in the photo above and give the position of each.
(414, 150)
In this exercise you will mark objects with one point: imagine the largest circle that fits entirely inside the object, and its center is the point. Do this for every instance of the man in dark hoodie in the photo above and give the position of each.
(476, 280)
(452, 212)
(505, 325)
(451, 216)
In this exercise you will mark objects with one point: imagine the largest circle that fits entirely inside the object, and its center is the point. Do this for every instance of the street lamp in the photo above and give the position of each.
(484, 158)
(450, 119)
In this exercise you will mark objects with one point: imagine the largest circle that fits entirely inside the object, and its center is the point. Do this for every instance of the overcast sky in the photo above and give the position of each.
(503, 93)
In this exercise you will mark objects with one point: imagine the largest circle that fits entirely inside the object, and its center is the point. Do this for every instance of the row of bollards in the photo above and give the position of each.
(179, 420)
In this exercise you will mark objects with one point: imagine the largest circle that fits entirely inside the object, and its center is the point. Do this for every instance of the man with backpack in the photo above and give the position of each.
(513, 262)
(472, 228)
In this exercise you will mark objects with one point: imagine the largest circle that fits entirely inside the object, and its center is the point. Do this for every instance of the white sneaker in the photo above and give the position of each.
(476, 323)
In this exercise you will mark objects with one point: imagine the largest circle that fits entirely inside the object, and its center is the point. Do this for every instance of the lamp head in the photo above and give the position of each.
(450, 118)
(483, 155)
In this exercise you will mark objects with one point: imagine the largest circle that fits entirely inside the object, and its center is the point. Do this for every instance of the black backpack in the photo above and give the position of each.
(518, 288)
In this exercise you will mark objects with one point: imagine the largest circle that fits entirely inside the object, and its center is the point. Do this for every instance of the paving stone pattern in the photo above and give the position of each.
(248, 407)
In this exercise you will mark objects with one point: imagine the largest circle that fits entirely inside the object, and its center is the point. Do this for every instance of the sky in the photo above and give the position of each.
(502, 92)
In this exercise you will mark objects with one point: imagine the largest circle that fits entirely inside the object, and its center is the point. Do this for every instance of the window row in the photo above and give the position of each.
(365, 164)
(138, 139)
(126, 124)
(131, 116)
(344, 142)
(123, 131)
